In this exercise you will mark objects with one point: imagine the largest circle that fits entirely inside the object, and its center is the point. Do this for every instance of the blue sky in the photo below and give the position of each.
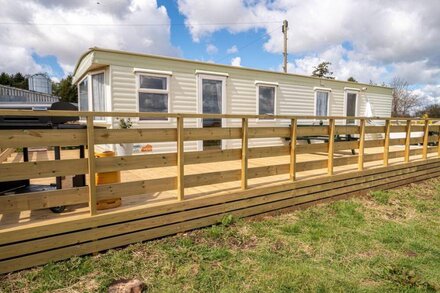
(49, 62)
(374, 40)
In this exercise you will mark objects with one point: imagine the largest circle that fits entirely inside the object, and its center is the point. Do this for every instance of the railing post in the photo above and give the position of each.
(293, 126)
(180, 159)
(438, 141)
(425, 140)
(331, 145)
(408, 141)
(91, 164)
(386, 147)
(244, 153)
(361, 145)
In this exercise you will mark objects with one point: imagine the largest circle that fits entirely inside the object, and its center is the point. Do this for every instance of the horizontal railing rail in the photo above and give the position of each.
(62, 113)
(414, 131)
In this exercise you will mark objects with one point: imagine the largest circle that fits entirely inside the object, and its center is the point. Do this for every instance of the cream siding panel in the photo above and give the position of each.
(337, 103)
(381, 104)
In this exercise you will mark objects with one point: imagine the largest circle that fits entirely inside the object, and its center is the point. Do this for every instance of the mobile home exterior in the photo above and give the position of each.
(111, 80)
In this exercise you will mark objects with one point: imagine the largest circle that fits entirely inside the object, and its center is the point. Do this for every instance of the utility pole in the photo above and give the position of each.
(284, 30)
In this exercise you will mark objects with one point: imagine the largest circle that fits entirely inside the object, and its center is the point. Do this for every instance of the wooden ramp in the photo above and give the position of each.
(161, 198)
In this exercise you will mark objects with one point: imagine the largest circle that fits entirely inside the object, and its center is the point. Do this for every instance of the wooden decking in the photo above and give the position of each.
(169, 193)
(24, 218)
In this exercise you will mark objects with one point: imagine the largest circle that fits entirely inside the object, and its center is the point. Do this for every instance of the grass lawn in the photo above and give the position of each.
(386, 242)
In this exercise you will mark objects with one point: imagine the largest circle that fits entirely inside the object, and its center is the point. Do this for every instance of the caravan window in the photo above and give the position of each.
(153, 82)
(321, 103)
(266, 100)
(153, 94)
(98, 94)
(91, 93)
(84, 95)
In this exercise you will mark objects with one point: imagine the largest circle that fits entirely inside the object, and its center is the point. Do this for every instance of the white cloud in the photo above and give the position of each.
(429, 94)
(216, 13)
(385, 38)
(16, 58)
(68, 42)
(236, 61)
(417, 72)
(211, 49)
(232, 50)
(344, 64)
(55, 79)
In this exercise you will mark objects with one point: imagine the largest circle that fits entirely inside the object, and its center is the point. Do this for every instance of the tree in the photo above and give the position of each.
(17, 80)
(66, 90)
(20, 81)
(432, 111)
(5, 79)
(352, 79)
(323, 71)
(405, 102)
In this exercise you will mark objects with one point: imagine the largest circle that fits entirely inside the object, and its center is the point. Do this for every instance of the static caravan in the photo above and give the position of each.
(118, 81)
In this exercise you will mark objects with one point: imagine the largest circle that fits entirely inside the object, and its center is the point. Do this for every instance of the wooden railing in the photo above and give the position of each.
(300, 126)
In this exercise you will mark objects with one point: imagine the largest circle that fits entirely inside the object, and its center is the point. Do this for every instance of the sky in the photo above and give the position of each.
(373, 40)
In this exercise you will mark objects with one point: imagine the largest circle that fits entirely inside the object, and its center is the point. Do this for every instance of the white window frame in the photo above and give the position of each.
(329, 92)
(152, 91)
(274, 85)
(199, 77)
(351, 91)
(107, 100)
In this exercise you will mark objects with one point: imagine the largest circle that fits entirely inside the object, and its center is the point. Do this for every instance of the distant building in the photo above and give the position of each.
(40, 82)
(15, 98)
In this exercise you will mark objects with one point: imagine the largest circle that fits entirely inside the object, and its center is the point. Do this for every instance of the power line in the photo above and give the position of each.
(135, 24)
(250, 43)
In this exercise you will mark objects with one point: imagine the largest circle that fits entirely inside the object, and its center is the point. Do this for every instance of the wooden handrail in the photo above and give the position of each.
(194, 115)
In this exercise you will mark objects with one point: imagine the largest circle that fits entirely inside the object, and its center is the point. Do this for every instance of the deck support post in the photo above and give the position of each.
(180, 159)
(408, 141)
(386, 147)
(331, 145)
(244, 153)
(361, 145)
(91, 164)
(293, 126)
(425, 140)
